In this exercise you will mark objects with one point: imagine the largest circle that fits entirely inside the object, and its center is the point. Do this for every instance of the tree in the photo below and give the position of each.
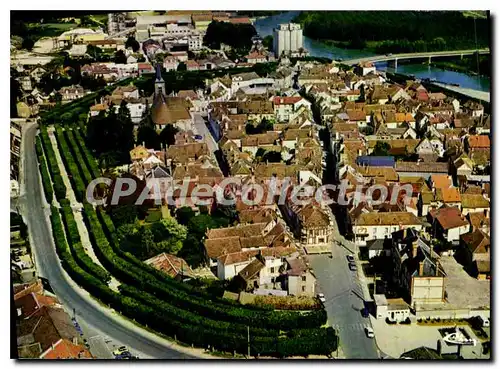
(132, 43)
(147, 136)
(167, 135)
(147, 240)
(181, 67)
(381, 149)
(260, 152)
(268, 42)
(272, 157)
(28, 43)
(184, 215)
(120, 57)
(94, 51)
(159, 58)
(168, 235)
(238, 36)
(123, 214)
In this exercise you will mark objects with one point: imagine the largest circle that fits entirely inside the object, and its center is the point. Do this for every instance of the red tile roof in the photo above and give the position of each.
(65, 349)
(144, 66)
(480, 141)
(449, 217)
(287, 100)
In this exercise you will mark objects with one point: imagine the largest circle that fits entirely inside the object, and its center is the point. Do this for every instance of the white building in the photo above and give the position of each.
(287, 39)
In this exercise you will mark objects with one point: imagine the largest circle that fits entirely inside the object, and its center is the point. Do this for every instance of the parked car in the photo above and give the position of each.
(120, 350)
(124, 355)
(369, 332)
(364, 312)
(485, 322)
(353, 267)
(321, 297)
(198, 137)
(350, 258)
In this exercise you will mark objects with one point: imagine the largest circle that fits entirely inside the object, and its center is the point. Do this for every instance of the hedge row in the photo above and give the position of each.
(80, 276)
(78, 157)
(72, 110)
(185, 316)
(109, 229)
(77, 250)
(71, 167)
(171, 290)
(47, 186)
(319, 341)
(88, 157)
(57, 181)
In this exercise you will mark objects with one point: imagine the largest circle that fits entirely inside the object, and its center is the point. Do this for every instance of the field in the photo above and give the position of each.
(49, 29)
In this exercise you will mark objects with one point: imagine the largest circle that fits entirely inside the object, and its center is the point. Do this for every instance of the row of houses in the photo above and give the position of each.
(394, 136)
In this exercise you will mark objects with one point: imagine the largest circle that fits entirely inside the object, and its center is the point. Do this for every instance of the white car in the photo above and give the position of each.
(369, 332)
(321, 297)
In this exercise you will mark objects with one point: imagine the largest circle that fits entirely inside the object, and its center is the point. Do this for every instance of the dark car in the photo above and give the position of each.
(350, 258)
(353, 267)
(124, 355)
(364, 312)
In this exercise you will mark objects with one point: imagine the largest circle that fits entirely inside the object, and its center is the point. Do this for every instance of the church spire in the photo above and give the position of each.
(159, 82)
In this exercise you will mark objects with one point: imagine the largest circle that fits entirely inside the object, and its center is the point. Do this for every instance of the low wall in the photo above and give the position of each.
(451, 313)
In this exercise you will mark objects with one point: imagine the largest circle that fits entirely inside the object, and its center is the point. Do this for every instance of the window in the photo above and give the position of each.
(303, 288)
(272, 270)
(304, 278)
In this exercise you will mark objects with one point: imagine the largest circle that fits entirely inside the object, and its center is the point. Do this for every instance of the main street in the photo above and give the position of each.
(98, 319)
(344, 301)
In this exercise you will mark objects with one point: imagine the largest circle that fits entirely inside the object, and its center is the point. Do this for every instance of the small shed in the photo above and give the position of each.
(397, 310)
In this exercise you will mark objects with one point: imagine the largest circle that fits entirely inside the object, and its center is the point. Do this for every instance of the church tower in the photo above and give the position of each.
(159, 82)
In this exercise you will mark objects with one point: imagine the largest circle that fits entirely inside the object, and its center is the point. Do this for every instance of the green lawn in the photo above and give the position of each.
(49, 29)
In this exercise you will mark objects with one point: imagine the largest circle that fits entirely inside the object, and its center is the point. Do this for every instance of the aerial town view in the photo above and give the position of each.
(250, 185)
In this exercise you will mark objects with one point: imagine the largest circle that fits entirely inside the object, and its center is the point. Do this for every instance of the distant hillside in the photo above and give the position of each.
(362, 28)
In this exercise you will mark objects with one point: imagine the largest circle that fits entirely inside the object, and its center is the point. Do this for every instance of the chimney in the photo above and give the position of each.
(414, 250)
(421, 268)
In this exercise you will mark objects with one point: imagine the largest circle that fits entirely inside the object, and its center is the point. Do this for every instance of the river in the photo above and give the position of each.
(264, 27)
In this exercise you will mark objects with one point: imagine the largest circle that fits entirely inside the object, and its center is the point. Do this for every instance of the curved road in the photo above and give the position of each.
(35, 211)
(381, 58)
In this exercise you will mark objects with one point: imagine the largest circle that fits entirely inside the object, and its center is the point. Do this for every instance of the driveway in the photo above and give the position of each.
(344, 301)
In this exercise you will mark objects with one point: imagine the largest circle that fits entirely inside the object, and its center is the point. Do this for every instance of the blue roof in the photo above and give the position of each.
(376, 161)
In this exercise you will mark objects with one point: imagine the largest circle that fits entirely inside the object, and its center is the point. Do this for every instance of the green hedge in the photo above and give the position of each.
(70, 164)
(73, 109)
(47, 185)
(177, 323)
(77, 250)
(185, 316)
(57, 181)
(175, 292)
(78, 156)
(87, 155)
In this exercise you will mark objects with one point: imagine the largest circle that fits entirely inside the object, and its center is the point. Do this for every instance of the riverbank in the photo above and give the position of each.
(329, 49)
(466, 65)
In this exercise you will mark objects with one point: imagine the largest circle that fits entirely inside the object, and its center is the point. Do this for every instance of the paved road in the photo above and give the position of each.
(35, 212)
(344, 300)
(475, 94)
(202, 129)
(380, 58)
